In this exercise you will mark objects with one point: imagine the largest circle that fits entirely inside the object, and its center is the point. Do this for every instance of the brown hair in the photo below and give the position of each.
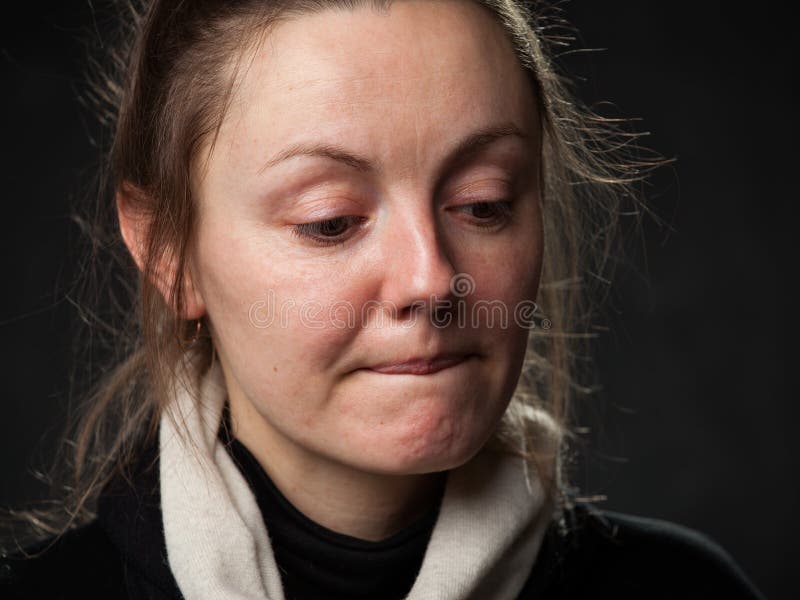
(164, 93)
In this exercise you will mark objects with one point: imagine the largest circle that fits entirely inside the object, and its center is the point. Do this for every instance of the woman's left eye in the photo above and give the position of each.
(489, 213)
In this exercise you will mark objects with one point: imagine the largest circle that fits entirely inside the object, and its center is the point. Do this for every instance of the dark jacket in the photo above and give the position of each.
(600, 554)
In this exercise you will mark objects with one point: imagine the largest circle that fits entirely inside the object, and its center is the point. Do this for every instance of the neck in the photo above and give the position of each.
(365, 505)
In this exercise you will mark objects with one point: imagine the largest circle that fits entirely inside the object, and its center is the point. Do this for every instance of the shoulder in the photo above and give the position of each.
(78, 564)
(684, 559)
(595, 551)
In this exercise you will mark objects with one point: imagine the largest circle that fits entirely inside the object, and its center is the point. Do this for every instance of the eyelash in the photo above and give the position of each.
(503, 208)
(313, 231)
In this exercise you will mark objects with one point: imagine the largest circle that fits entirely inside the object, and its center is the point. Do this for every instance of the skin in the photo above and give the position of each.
(360, 452)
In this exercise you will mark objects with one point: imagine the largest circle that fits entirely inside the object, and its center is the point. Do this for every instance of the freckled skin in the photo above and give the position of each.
(400, 88)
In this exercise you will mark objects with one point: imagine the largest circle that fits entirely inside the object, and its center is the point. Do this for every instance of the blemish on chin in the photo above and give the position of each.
(275, 369)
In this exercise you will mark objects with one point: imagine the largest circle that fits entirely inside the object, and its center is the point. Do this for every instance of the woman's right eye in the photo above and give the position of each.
(328, 232)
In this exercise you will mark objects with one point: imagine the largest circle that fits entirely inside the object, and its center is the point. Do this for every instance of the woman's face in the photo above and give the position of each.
(359, 119)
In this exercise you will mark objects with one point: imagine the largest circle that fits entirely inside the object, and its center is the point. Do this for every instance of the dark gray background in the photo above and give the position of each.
(695, 423)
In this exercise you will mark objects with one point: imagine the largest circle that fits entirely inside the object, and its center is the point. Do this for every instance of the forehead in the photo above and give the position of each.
(399, 85)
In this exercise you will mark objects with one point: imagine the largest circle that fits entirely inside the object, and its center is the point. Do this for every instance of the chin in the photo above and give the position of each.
(431, 453)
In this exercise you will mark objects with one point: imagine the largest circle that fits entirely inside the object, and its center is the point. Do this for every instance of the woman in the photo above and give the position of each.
(346, 217)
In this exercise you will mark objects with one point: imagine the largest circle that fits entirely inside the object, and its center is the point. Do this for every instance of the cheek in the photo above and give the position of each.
(509, 274)
(508, 268)
(502, 308)
(278, 321)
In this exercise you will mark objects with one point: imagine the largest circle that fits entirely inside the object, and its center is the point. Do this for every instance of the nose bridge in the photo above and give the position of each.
(419, 264)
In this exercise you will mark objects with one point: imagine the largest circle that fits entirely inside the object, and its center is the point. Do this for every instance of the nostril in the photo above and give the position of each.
(442, 312)
(416, 308)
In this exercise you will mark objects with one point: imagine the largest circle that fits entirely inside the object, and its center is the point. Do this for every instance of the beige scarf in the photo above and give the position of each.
(490, 527)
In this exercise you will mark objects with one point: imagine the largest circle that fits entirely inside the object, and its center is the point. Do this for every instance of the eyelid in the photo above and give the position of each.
(325, 206)
(499, 187)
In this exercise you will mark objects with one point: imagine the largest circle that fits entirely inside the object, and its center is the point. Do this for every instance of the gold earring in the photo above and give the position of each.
(196, 335)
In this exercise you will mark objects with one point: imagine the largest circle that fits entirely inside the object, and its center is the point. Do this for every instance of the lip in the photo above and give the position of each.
(421, 366)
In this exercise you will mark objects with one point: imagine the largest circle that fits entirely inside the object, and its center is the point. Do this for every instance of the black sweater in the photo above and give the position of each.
(601, 554)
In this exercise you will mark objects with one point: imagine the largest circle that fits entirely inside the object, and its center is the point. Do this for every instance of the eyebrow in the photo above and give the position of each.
(466, 147)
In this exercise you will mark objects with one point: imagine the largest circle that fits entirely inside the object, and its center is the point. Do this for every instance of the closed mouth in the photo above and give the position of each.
(421, 366)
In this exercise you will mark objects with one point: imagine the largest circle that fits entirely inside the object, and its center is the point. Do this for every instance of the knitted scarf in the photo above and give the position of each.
(490, 527)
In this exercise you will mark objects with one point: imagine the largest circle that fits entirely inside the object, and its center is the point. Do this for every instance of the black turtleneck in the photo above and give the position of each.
(316, 562)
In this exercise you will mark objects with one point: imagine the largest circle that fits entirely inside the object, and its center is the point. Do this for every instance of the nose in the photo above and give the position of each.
(418, 266)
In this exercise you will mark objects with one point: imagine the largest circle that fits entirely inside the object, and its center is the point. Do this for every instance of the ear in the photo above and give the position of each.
(134, 224)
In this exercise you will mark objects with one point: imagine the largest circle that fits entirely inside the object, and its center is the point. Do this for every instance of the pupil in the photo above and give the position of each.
(482, 209)
(332, 227)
